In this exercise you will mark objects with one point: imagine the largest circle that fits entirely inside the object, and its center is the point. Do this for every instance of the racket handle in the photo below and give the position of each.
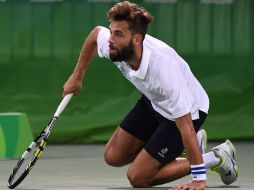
(63, 104)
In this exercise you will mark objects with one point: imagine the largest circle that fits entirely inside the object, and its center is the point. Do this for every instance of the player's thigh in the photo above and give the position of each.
(141, 121)
(143, 169)
(122, 148)
(164, 146)
(166, 143)
(135, 130)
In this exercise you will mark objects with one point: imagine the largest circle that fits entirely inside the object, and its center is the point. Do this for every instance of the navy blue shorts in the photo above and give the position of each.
(161, 136)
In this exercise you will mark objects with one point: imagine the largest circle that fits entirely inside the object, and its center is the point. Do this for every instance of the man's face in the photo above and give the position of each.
(120, 42)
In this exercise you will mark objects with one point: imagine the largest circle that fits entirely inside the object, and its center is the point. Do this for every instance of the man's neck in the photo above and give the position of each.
(135, 61)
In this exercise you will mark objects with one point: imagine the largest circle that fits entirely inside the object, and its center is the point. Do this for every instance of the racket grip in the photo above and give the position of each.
(63, 104)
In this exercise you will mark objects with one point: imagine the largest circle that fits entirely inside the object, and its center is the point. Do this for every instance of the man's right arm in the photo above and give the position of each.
(87, 54)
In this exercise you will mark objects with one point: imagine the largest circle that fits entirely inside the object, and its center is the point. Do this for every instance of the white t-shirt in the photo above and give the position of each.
(163, 77)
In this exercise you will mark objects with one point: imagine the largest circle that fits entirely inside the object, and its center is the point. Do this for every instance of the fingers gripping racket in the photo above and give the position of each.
(33, 152)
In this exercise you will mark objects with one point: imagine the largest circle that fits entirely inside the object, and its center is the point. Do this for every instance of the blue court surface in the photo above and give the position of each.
(81, 167)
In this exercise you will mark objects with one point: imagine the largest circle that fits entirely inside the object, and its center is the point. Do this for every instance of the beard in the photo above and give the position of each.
(123, 54)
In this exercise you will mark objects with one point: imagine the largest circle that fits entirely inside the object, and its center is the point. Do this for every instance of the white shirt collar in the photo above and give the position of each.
(142, 70)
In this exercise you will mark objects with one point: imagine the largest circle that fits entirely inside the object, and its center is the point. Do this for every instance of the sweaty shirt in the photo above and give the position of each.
(163, 77)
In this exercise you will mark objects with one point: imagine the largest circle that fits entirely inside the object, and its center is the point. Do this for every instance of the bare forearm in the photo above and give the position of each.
(87, 54)
(185, 125)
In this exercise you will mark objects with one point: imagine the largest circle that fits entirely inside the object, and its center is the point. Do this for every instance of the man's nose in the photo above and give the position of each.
(110, 40)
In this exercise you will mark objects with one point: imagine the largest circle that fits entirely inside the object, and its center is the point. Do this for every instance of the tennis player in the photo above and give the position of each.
(164, 121)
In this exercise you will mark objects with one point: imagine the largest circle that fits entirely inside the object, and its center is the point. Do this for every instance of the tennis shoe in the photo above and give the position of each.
(227, 168)
(228, 147)
(202, 140)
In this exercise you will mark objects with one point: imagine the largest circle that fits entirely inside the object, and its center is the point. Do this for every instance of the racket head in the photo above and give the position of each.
(27, 161)
(33, 152)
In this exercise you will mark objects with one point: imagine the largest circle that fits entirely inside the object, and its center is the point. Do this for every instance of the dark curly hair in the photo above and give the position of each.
(137, 17)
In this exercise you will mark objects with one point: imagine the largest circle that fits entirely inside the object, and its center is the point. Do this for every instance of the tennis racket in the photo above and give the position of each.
(33, 152)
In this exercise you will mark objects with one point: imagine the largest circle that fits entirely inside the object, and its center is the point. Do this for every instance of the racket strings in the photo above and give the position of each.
(24, 163)
(31, 155)
(28, 159)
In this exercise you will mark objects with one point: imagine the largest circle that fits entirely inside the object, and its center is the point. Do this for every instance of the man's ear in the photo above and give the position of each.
(137, 39)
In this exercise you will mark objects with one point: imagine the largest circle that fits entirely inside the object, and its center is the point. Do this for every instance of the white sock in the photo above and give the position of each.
(210, 160)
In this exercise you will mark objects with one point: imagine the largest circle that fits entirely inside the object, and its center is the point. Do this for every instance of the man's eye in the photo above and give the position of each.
(118, 34)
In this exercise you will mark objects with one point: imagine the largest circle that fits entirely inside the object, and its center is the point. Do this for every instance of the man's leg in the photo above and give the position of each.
(153, 172)
(146, 171)
(122, 148)
(158, 162)
(135, 130)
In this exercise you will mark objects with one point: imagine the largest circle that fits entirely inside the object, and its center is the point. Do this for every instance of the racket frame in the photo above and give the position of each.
(44, 135)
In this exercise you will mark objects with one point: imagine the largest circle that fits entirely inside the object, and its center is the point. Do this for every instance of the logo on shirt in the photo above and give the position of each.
(163, 152)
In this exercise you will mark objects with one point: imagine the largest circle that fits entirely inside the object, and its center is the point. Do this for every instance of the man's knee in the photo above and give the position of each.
(137, 179)
(113, 158)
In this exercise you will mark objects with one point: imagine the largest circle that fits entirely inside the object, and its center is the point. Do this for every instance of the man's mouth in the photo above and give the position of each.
(112, 47)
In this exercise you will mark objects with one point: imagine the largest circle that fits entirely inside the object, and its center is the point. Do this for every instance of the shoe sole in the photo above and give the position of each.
(235, 172)
(214, 170)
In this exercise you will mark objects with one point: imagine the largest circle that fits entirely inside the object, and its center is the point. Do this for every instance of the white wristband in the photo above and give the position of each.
(198, 172)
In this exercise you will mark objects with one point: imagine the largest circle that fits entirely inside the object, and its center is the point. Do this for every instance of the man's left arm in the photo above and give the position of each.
(190, 142)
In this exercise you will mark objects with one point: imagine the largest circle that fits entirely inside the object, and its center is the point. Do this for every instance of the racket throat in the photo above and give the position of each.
(50, 125)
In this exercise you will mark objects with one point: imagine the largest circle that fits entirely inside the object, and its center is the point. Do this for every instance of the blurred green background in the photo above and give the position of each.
(40, 42)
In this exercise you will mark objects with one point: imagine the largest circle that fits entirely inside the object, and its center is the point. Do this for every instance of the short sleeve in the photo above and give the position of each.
(102, 43)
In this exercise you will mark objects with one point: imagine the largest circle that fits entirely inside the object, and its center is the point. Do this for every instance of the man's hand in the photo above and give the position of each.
(194, 185)
(72, 85)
